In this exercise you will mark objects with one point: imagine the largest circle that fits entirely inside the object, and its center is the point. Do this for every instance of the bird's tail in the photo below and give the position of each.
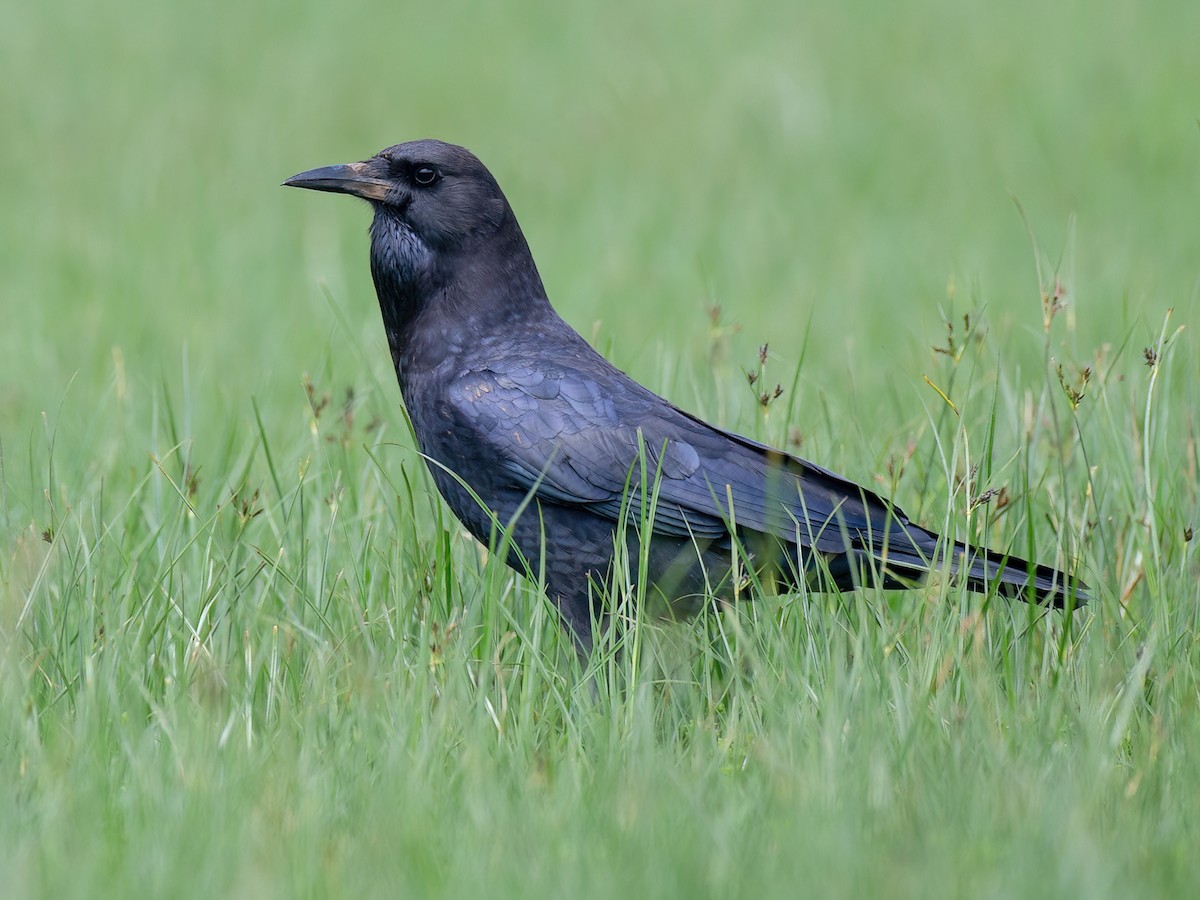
(1012, 576)
(987, 570)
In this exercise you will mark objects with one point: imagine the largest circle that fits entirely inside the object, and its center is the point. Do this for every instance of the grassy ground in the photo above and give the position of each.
(244, 650)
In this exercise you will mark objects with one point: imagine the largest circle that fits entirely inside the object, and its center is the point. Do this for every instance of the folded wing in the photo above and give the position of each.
(574, 440)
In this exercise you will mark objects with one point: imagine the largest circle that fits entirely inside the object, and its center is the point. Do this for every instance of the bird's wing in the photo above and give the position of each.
(575, 439)
(567, 439)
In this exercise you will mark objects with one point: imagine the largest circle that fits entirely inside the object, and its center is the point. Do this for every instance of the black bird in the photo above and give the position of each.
(511, 406)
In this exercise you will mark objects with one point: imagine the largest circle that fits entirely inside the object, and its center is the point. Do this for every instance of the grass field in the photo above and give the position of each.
(244, 650)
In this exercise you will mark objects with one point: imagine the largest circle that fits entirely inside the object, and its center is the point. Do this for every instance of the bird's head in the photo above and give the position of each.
(430, 197)
(443, 235)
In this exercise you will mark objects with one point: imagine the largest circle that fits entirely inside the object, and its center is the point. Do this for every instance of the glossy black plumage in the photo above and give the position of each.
(508, 399)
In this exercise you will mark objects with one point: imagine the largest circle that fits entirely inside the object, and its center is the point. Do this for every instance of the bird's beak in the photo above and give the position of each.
(355, 178)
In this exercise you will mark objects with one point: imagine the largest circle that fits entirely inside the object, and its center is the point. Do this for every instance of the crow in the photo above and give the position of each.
(531, 434)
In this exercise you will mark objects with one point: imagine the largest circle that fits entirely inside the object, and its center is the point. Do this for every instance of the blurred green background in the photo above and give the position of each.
(839, 180)
(787, 161)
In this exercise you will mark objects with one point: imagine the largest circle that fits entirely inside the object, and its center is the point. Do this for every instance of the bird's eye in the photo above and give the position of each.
(425, 175)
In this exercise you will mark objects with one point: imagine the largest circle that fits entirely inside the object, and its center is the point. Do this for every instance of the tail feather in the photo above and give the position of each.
(1017, 577)
(1010, 576)
(984, 570)
(909, 553)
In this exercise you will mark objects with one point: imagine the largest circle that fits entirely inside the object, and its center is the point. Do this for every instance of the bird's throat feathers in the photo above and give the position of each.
(402, 265)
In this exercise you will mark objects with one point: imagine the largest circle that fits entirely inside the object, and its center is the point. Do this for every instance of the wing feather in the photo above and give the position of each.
(570, 440)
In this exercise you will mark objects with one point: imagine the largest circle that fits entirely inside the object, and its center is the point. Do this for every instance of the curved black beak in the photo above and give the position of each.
(356, 179)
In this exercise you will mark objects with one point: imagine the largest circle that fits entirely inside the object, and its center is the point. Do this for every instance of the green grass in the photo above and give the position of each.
(244, 650)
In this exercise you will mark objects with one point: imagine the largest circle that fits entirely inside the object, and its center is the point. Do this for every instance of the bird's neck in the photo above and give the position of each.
(438, 307)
